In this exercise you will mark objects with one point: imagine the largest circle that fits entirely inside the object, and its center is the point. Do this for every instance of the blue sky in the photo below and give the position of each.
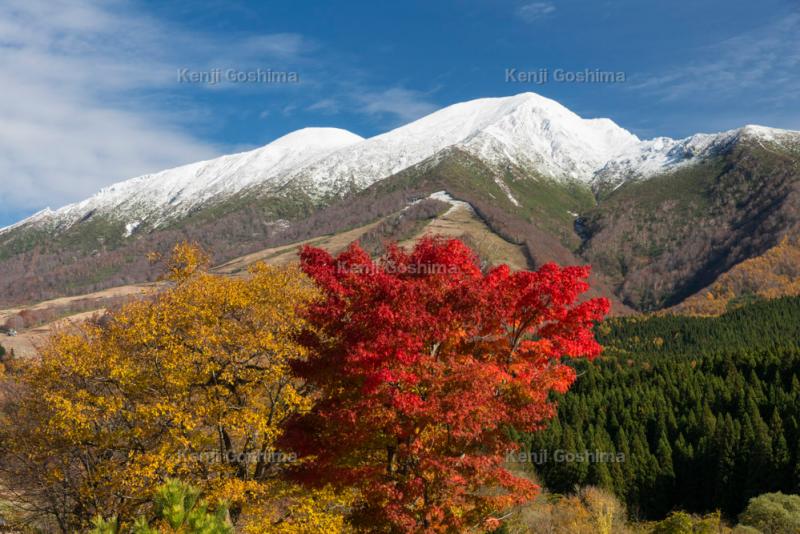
(92, 91)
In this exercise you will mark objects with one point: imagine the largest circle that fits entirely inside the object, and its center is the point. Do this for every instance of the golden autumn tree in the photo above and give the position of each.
(193, 383)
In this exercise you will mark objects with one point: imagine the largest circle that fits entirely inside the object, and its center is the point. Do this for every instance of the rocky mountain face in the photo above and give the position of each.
(658, 219)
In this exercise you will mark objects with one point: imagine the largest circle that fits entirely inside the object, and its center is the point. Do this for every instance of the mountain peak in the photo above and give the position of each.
(317, 136)
(541, 134)
(527, 130)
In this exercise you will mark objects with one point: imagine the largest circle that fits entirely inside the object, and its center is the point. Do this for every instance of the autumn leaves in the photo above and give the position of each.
(392, 383)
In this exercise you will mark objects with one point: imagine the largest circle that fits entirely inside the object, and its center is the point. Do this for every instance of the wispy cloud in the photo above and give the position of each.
(388, 107)
(401, 103)
(78, 106)
(326, 105)
(763, 64)
(91, 97)
(534, 11)
(285, 45)
(65, 128)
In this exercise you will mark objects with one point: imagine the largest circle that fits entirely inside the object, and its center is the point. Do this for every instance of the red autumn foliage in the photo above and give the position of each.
(421, 363)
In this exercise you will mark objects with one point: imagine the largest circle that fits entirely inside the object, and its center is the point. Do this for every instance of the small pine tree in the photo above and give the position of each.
(178, 508)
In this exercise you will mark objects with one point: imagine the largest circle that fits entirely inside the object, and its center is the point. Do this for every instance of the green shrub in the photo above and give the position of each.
(676, 523)
(683, 523)
(773, 513)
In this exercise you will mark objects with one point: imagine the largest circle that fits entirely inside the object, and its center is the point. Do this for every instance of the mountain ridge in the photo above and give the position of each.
(526, 129)
(657, 218)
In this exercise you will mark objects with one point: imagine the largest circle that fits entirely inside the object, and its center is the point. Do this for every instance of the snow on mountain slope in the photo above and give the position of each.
(170, 193)
(547, 137)
(526, 129)
(662, 154)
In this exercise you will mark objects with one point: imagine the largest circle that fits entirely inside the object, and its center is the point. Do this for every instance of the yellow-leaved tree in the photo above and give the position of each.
(193, 383)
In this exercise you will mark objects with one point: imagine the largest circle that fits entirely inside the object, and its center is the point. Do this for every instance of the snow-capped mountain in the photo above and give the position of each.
(662, 154)
(526, 130)
(171, 193)
(531, 171)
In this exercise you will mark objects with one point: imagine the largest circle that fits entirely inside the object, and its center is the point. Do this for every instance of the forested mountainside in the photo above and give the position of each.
(664, 239)
(703, 411)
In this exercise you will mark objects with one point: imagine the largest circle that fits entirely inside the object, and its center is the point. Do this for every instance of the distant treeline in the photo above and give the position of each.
(704, 411)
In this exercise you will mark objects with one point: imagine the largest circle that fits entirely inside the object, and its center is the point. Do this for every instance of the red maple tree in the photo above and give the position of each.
(421, 363)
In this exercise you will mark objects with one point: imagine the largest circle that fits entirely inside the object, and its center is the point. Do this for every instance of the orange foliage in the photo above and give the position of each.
(774, 274)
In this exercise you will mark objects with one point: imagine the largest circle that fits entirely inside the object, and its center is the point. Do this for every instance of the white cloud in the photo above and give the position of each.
(65, 127)
(535, 10)
(89, 95)
(284, 45)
